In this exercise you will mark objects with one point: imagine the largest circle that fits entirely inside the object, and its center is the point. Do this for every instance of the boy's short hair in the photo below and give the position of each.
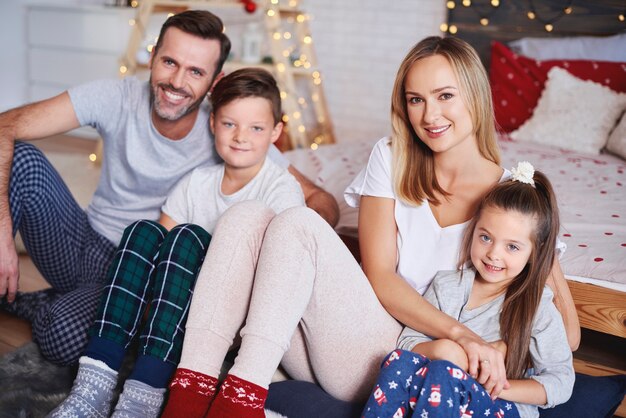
(247, 82)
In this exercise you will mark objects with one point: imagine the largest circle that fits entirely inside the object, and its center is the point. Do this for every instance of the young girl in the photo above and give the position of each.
(158, 268)
(500, 295)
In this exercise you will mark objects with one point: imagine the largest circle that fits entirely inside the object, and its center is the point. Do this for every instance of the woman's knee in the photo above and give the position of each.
(250, 215)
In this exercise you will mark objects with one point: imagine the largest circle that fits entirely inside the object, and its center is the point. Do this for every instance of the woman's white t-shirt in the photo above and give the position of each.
(424, 248)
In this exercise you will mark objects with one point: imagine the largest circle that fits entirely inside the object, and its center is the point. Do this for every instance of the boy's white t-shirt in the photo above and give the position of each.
(424, 248)
(197, 198)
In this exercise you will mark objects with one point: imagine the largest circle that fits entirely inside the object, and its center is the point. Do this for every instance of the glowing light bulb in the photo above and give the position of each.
(271, 13)
(131, 22)
(283, 95)
(531, 15)
(568, 10)
(621, 18)
(276, 36)
(123, 69)
(484, 21)
(307, 39)
(467, 3)
(296, 115)
(300, 18)
(287, 35)
(314, 146)
(453, 29)
(450, 4)
(93, 158)
(495, 3)
(301, 129)
(549, 27)
(443, 27)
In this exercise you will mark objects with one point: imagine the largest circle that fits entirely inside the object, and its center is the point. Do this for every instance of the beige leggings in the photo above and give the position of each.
(303, 298)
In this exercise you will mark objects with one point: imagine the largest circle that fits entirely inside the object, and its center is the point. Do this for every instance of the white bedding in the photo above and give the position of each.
(591, 191)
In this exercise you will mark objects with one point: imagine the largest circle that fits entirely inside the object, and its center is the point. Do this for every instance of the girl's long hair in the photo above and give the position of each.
(413, 166)
(524, 292)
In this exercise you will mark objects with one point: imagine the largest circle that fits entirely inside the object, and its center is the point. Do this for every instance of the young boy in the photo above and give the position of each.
(157, 263)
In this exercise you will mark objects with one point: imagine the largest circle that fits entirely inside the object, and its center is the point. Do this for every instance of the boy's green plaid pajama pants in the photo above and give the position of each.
(157, 268)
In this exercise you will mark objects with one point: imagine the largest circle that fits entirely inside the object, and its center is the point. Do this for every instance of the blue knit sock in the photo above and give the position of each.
(139, 400)
(91, 393)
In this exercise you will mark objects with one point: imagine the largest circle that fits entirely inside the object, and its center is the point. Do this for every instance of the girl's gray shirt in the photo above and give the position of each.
(549, 350)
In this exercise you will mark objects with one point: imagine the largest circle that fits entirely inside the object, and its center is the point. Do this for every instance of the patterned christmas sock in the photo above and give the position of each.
(238, 398)
(139, 400)
(190, 394)
(27, 305)
(91, 393)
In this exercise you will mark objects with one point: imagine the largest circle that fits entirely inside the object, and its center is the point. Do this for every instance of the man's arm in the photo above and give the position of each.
(317, 198)
(34, 121)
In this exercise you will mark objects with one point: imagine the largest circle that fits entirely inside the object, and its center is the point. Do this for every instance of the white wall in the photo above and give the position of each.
(359, 45)
(12, 55)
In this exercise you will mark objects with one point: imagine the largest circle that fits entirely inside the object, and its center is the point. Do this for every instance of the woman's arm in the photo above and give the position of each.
(377, 241)
(565, 304)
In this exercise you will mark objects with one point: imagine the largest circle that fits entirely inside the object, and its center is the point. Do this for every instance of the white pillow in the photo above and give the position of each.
(600, 48)
(573, 114)
(617, 140)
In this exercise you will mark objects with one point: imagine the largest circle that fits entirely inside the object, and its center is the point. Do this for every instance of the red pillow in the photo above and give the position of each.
(517, 81)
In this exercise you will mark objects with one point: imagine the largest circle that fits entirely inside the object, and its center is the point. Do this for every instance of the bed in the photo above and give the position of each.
(566, 115)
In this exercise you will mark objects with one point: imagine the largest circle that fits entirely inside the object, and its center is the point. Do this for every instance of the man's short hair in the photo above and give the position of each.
(203, 24)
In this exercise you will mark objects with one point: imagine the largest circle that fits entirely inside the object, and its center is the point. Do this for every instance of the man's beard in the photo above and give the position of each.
(157, 107)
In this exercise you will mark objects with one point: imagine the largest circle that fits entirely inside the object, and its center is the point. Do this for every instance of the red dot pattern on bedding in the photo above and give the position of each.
(517, 81)
(592, 207)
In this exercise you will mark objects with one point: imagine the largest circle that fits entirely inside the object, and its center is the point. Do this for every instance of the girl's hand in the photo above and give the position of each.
(486, 364)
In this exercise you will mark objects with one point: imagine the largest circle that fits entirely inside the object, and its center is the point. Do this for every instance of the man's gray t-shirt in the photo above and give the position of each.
(139, 165)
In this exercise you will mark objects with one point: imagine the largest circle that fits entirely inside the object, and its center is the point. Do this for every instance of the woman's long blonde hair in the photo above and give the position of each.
(413, 166)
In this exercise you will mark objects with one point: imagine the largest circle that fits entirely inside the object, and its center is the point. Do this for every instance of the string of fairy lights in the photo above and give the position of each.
(484, 11)
(293, 52)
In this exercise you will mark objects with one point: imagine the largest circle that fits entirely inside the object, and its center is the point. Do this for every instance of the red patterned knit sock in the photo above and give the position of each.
(238, 398)
(190, 394)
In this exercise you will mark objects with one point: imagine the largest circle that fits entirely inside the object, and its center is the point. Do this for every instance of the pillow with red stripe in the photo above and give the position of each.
(517, 81)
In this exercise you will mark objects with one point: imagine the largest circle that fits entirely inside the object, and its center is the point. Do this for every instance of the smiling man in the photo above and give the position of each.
(153, 134)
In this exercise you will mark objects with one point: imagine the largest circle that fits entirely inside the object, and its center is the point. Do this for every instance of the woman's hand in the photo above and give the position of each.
(486, 364)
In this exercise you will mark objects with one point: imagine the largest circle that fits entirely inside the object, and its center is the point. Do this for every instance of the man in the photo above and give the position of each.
(153, 134)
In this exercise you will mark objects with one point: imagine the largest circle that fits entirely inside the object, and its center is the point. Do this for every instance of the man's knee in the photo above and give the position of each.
(61, 331)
